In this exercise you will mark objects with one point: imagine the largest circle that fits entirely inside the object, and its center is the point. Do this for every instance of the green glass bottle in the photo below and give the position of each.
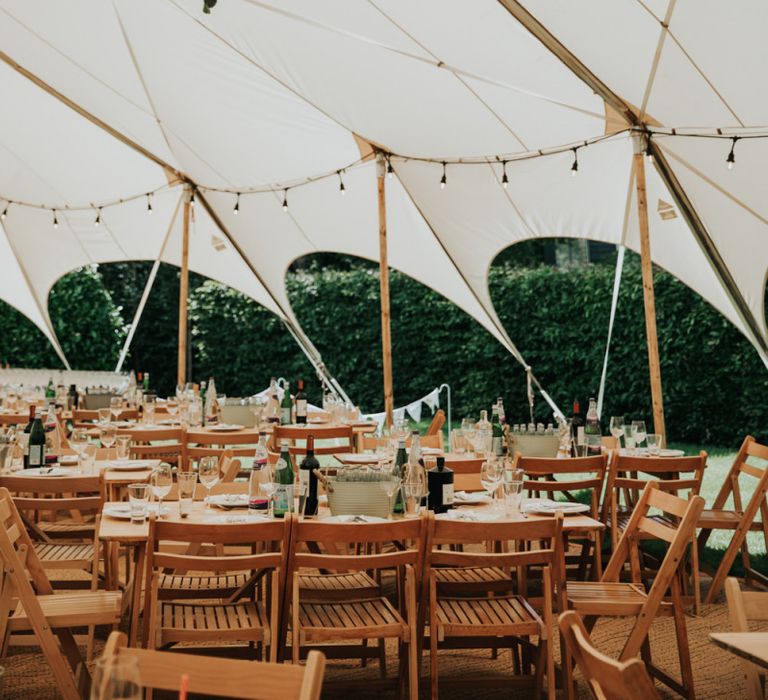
(401, 461)
(284, 477)
(286, 406)
(497, 434)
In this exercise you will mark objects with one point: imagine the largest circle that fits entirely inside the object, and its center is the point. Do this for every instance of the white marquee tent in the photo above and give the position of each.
(105, 102)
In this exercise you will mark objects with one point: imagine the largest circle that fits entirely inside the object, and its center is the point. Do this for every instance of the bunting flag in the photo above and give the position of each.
(432, 399)
(414, 410)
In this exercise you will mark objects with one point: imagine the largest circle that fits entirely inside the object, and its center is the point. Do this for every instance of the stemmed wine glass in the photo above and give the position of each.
(391, 482)
(78, 440)
(491, 474)
(108, 436)
(638, 431)
(208, 471)
(161, 481)
(617, 428)
(116, 678)
(116, 406)
(267, 485)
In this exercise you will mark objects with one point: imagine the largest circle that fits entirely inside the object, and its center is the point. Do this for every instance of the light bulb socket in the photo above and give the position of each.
(237, 204)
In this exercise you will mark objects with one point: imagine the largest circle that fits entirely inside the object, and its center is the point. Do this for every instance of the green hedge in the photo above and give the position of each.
(715, 386)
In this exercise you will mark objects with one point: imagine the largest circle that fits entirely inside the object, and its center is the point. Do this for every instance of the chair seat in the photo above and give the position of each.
(357, 584)
(351, 619)
(609, 599)
(66, 529)
(64, 556)
(200, 586)
(472, 579)
(73, 610)
(209, 622)
(724, 520)
(481, 617)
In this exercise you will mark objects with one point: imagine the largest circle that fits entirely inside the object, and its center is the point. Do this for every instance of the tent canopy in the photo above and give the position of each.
(109, 101)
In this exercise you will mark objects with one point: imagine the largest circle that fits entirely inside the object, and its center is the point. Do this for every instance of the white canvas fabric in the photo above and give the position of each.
(110, 100)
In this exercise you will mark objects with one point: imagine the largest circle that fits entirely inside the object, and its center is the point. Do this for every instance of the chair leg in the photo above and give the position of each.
(739, 536)
(681, 633)
(566, 662)
(695, 577)
(540, 663)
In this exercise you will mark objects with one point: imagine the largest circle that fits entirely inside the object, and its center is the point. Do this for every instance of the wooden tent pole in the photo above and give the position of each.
(648, 295)
(386, 336)
(181, 377)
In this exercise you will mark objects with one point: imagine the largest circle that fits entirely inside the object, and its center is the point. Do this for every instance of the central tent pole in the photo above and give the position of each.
(386, 336)
(648, 295)
(181, 377)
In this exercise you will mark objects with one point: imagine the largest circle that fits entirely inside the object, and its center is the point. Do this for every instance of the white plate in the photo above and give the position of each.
(50, 471)
(362, 459)
(477, 516)
(130, 465)
(318, 420)
(431, 451)
(123, 512)
(643, 452)
(234, 519)
(66, 460)
(545, 506)
(230, 500)
(225, 427)
(471, 498)
(359, 519)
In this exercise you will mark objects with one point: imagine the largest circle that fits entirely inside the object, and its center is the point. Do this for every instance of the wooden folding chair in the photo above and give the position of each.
(70, 544)
(205, 444)
(369, 443)
(468, 618)
(210, 619)
(628, 476)
(742, 518)
(466, 474)
(744, 606)
(166, 444)
(27, 603)
(229, 678)
(611, 598)
(436, 425)
(546, 476)
(343, 436)
(351, 547)
(606, 678)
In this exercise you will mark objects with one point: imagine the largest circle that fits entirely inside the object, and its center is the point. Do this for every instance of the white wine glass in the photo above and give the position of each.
(161, 482)
(108, 436)
(208, 473)
(638, 431)
(78, 440)
(116, 678)
(617, 428)
(116, 406)
(491, 474)
(267, 485)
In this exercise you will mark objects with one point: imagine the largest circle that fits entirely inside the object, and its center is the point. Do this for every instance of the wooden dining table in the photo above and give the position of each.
(752, 646)
(135, 535)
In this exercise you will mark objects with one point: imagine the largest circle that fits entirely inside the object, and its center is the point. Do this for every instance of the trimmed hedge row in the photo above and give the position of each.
(715, 386)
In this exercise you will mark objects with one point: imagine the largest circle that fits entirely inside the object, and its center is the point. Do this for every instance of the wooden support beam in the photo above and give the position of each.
(386, 336)
(181, 377)
(649, 302)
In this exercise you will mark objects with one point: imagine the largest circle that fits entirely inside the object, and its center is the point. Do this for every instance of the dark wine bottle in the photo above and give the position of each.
(37, 443)
(401, 460)
(27, 430)
(308, 480)
(440, 480)
(283, 498)
(301, 403)
(286, 406)
(577, 422)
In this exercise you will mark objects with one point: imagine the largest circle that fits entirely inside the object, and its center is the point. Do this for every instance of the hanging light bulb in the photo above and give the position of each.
(236, 210)
(575, 166)
(285, 199)
(55, 220)
(149, 203)
(443, 179)
(342, 189)
(731, 159)
(390, 169)
(648, 150)
(5, 211)
(98, 218)
(504, 178)
(192, 198)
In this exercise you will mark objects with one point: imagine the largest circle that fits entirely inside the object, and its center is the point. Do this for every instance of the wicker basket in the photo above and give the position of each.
(358, 498)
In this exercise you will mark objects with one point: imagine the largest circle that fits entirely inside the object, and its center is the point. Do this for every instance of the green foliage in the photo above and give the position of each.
(714, 382)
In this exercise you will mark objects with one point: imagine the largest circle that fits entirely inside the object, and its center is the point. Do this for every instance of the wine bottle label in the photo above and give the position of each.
(447, 494)
(36, 456)
(301, 407)
(280, 464)
(580, 440)
(496, 445)
(284, 499)
(285, 416)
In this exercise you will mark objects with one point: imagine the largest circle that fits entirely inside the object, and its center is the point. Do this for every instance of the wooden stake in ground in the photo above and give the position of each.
(386, 336)
(648, 296)
(181, 377)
